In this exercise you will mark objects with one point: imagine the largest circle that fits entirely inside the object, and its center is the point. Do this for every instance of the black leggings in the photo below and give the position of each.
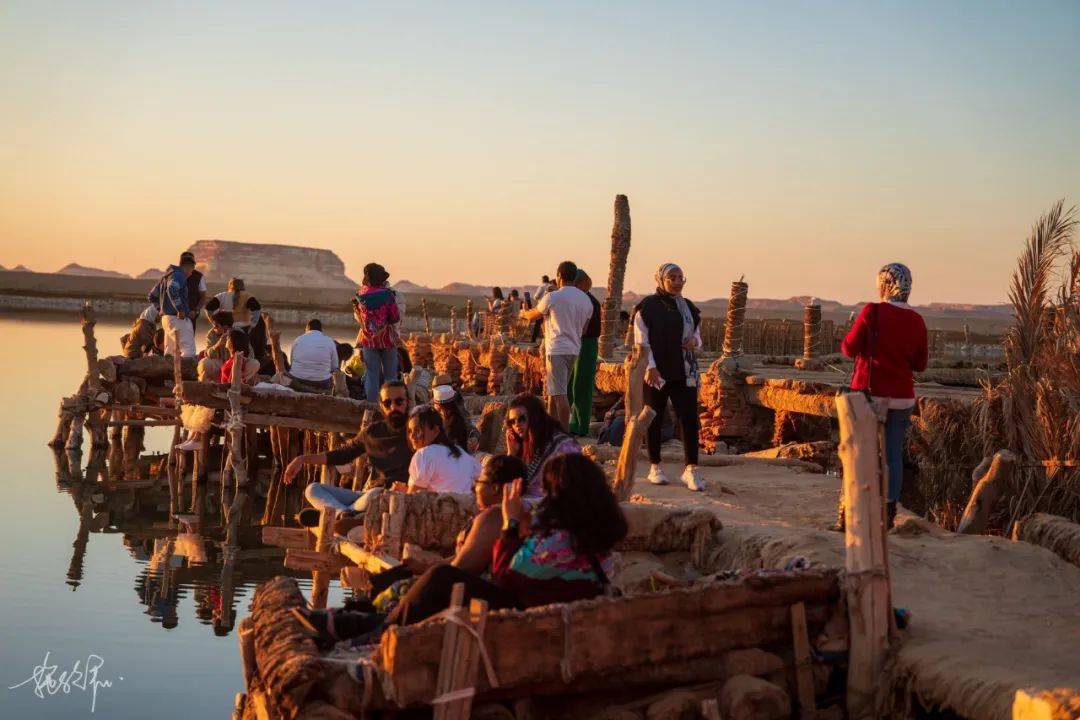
(430, 594)
(685, 401)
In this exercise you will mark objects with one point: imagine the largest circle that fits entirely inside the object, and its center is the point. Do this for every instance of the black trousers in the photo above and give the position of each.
(685, 401)
(430, 594)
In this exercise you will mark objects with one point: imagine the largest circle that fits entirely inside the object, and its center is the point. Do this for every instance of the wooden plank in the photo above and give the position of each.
(804, 678)
(370, 561)
(320, 579)
(449, 658)
(776, 397)
(313, 561)
(284, 421)
(869, 610)
(290, 538)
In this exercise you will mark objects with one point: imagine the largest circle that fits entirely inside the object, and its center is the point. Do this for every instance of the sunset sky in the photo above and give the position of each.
(800, 144)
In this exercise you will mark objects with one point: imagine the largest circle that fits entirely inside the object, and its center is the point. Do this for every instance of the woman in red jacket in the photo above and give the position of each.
(888, 343)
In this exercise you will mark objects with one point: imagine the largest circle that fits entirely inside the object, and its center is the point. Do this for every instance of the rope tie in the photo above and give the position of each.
(455, 616)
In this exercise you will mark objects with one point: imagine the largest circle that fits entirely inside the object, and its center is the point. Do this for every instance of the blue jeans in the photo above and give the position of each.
(379, 367)
(897, 423)
(322, 496)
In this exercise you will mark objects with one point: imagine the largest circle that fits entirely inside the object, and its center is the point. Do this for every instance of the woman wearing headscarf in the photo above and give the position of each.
(375, 309)
(888, 343)
(668, 326)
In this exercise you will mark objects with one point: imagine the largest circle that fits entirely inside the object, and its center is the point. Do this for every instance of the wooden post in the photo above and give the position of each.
(638, 419)
(869, 609)
(468, 318)
(804, 676)
(275, 348)
(736, 316)
(447, 661)
(329, 473)
(453, 323)
(320, 580)
(95, 422)
(811, 338)
(620, 251)
(424, 313)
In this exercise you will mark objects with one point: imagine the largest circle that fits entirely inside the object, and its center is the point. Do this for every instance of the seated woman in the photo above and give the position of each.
(535, 437)
(437, 464)
(564, 554)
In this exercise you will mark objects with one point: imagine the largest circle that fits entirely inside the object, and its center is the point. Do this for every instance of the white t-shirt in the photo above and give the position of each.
(314, 356)
(566, 313)
(433, 468)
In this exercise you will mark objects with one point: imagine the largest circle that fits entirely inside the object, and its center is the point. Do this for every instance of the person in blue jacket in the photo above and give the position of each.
(170, 298)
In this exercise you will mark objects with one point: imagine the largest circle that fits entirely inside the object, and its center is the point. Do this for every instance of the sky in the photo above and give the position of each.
(801, 144)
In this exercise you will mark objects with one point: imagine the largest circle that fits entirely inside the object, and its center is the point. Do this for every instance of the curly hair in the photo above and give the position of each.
(577, 499)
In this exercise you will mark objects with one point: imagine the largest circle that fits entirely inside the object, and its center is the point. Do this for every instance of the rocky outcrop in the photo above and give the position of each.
(76, 269)
(270, 265)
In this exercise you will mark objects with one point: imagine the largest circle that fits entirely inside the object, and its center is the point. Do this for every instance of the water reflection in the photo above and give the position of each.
(176, 555)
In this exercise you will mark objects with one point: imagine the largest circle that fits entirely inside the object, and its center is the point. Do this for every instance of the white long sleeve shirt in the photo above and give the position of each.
(641, 337)
(314, 357)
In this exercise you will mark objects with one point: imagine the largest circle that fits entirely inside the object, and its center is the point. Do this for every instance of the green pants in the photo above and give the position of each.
(582, 383)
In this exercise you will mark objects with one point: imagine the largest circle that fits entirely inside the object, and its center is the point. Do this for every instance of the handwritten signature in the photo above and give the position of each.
(82, 676)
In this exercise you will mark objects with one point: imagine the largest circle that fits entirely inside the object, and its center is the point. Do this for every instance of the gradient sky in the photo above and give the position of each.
(800, 144)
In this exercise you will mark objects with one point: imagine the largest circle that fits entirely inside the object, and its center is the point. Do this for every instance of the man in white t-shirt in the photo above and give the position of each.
(565, 312)
(314, 358)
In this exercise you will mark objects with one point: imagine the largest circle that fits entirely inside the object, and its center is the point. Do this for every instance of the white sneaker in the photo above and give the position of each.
(657, 475)
(189, 446)
(691, 479)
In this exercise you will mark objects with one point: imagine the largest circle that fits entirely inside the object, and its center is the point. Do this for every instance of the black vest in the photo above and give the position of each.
(665, 326)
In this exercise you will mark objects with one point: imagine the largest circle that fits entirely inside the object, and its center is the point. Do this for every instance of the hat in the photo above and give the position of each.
(443, 393)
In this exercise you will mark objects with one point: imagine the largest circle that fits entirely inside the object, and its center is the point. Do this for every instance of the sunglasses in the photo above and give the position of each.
(518, 420)
(389, 402)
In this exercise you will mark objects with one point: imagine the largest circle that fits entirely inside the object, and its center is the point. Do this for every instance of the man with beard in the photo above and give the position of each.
(387, 448)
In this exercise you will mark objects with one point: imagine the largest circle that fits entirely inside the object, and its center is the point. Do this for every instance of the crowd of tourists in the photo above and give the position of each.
(548, 519)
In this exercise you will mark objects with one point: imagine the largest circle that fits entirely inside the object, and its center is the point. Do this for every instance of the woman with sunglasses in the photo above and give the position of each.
(535, 437)
(668, 327)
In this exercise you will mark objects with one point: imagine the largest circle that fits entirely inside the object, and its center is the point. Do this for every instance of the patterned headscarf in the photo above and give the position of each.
(665, 270)
(894, 282)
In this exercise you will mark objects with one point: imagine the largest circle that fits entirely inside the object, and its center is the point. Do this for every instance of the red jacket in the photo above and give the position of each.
(899, 350)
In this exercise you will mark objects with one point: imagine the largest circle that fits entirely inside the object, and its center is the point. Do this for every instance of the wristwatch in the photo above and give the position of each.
(511, 525)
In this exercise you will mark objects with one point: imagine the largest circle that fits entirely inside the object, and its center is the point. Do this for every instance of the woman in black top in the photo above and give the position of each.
(668, 326)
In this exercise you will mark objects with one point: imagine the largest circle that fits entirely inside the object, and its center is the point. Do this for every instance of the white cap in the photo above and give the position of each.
(443, 393)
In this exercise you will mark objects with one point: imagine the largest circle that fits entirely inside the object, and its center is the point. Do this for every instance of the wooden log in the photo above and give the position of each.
(289, 538)
(988, 480)
(734, 329)
(775, 396)
(804, 676)
(314, 561)
(605, 453)
(320, 580)
(559, 644)
(1052, 532)
(623, 482)
(323, 409)
(467, 660)
(869, 609)
(620, 251)
(372, 562)
(154, 367)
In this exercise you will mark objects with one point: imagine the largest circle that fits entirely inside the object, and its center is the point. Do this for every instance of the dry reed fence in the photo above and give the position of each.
(1034, 410)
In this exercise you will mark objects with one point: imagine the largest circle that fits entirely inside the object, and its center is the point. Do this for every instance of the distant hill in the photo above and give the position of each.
(76, 269)
(150, 274)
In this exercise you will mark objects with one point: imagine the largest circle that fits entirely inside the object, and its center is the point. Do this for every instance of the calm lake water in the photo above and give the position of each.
(88, 576)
